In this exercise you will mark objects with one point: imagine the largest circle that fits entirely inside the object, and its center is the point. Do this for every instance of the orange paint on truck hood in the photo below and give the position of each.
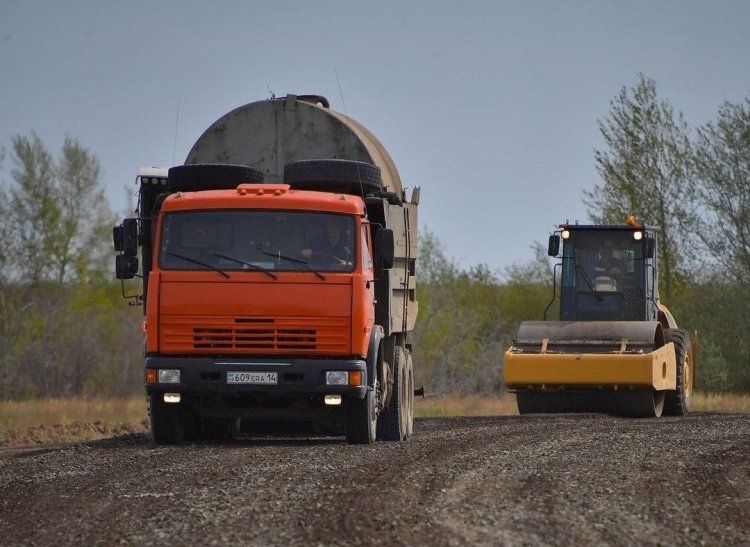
(260, 318)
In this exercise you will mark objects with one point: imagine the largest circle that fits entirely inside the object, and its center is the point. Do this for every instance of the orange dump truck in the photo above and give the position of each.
(278, 268)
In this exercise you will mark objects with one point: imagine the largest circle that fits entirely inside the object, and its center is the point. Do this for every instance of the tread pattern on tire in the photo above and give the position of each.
(344, 176)
(677, 402)
(390, 426)
(211, 176)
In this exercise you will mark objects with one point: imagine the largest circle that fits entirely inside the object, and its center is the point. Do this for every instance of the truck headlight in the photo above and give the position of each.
(337, 378)
(169, 376)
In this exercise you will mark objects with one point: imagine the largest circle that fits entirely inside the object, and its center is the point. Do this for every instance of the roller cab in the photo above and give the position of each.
(615, 348)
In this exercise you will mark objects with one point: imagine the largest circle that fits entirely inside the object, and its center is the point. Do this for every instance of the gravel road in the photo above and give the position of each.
(532, 480)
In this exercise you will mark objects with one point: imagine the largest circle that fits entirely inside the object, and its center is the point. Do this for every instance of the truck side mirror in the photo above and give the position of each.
(650, 247)
(553, 248)
(126, 266)
(117, 237)
(385, 248)
(125, 237)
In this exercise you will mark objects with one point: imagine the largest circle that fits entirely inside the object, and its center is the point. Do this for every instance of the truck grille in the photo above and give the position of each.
(255, 335)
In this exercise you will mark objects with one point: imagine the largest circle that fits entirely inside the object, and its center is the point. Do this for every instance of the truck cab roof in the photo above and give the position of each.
(265, 196)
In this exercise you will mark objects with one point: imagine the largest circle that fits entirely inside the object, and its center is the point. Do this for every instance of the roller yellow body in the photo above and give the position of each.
(656, 370)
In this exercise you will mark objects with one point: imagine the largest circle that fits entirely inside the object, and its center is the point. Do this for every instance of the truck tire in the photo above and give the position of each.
(165, 420)
(394, 423)
(677, 402)
(410, 394)
(210, 176)
(190, 423)
(344, 176)
(362, 418)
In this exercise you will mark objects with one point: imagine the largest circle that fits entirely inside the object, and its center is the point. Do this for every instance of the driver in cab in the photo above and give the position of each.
(608, 264)
(329, 244)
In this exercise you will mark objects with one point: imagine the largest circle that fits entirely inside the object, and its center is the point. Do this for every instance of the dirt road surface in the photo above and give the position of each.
(533, 480)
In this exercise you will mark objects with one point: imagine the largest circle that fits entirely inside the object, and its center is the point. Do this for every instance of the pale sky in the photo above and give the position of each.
(491, 107)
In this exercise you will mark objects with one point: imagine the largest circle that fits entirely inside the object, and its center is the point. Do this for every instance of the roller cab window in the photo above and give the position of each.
(603, 276)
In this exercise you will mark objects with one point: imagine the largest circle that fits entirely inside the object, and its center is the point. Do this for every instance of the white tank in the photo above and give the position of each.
(271, 133)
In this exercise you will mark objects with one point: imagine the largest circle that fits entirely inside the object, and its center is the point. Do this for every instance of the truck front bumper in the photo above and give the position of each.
(295, 378)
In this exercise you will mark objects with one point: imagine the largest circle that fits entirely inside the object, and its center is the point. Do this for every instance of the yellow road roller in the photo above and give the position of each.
(615, 347)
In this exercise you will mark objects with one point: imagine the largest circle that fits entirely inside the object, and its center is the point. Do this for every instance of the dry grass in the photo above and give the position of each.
(17, 415)
(466, 405)
(505, 405)
(23, 414)
(721, 402)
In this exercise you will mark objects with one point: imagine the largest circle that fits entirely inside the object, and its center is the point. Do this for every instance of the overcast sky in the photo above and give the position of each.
(490, 107)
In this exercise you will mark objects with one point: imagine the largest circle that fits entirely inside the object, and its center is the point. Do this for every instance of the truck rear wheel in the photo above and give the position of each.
(330, 175)
(395, 422)
(677, 402)
(410, 394)
(210, 176)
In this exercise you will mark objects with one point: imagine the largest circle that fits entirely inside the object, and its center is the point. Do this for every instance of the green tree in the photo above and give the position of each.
(57, 212)
(467, 316)
(646, 171)
(722, 162)
(63, 329)
(722, 167)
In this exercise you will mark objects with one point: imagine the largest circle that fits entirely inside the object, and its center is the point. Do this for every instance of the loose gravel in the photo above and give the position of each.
(531, 480)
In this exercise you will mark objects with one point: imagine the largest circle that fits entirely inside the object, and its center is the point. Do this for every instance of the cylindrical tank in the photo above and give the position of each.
(269, 134)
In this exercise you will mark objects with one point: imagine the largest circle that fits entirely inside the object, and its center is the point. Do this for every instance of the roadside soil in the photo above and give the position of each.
(509, 480)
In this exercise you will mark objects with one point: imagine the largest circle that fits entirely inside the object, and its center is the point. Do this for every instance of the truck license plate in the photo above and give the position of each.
(252, 378)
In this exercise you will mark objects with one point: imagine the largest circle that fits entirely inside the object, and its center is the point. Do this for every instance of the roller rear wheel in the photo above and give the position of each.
(678, 401)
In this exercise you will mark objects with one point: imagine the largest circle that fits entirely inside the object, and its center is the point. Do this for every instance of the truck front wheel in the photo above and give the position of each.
(166, 426)
(362, 419)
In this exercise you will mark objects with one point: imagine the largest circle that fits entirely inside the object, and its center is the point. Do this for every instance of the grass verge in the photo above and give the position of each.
(67, 420)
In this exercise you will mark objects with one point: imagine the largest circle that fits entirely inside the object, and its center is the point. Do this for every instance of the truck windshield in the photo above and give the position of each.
(257, 240)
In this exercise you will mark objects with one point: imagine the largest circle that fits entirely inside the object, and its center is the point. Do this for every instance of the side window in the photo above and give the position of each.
(366, 258)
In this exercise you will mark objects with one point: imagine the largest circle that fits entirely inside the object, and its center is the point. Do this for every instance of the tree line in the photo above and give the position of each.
(693, 184)
(65, 330)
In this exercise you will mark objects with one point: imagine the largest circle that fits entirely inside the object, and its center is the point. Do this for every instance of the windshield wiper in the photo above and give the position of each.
(199, 263)
(248, 264)
(580, 270)
(295, 261)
